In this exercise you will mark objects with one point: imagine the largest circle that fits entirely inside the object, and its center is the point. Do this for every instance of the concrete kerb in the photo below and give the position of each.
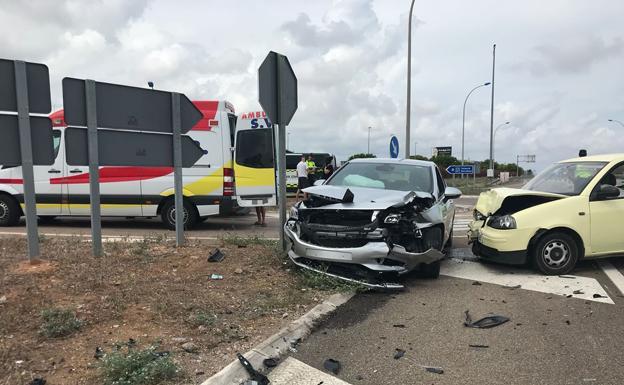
(279, 343)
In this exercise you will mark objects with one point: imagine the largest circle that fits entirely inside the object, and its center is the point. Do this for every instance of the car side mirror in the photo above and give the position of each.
(451, 193)
(606, 191)
(319, 182)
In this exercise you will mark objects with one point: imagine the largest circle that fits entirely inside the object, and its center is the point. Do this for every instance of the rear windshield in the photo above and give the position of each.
(254, 148)
(386, 176)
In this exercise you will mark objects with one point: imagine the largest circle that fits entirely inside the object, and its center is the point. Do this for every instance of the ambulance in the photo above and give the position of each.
(236, 170)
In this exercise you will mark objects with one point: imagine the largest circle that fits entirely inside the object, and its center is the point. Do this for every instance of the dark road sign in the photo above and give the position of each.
(394, 147)
(444, 151)
(459, 169)
(126, 108)
(277, 85)
(124, 148)
(38, 87)
(41, 139)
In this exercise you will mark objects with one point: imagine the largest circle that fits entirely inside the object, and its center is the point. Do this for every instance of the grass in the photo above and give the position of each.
(313, 280)
(59, 323)
(203, 318)
(138, 367)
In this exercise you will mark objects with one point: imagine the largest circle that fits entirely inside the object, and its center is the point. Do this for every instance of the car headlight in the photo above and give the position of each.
(503, 222)
(294, 213)
(478, 216)
(392, 219)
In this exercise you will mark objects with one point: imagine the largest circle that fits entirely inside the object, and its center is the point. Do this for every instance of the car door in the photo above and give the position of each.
(607, 215)
(254, 168)
(447, 207)
(48, 180)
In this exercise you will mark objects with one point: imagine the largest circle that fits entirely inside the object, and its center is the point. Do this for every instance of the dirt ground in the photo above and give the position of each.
(148, 291)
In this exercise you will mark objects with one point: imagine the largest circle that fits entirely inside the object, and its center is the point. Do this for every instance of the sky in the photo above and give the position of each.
(559, 71)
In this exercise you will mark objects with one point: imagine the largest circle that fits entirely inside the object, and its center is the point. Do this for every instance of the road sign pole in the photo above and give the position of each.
(281, 161)
(23, 111)
(176, 115)
(94, 167)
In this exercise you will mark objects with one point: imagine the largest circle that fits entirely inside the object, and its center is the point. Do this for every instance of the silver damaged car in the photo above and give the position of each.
(374, 220)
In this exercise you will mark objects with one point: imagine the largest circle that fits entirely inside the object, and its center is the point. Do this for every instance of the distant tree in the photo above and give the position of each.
(361, 156)
(419, 157)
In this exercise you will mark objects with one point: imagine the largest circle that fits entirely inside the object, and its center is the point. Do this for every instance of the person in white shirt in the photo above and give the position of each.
(302, 176)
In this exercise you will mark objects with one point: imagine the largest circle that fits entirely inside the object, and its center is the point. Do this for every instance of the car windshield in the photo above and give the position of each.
(386, 176)
(568, 178)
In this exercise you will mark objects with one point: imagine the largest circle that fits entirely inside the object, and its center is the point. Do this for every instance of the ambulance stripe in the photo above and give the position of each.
(12, 181)
(117, 174)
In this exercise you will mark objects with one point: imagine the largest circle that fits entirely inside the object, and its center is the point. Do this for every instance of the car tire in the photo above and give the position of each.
(555, 253)
(431, 270)
(167, 214)
(9, 211)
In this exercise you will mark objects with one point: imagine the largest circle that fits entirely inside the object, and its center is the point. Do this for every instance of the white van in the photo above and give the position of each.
(237, 169)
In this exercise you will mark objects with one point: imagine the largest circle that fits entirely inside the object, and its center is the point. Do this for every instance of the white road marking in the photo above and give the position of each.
(614, 274)
(512, 276)
(295, 372)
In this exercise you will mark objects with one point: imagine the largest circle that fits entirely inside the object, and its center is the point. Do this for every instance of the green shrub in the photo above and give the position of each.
(59, 323)
(138, 367)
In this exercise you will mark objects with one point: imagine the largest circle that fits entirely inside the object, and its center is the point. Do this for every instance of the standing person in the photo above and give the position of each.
(261, 213)
(302, 177)
(328, 171)
(311, 170)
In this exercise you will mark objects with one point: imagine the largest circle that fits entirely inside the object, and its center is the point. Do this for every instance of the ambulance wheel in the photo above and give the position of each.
(191, 215)
(9, 211)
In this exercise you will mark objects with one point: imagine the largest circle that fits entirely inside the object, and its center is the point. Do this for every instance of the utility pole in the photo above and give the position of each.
(492, 110)
(409, 81)
(368, 150)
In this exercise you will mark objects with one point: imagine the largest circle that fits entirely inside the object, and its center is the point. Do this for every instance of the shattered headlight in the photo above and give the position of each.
(477, 216)
(392, 219)
(504, 222)
(294, 213)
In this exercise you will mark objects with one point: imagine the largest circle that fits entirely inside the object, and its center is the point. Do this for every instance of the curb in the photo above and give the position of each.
(279, 343)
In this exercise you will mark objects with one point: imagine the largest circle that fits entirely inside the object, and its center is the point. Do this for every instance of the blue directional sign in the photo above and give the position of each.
(394, 147)
(459, 169)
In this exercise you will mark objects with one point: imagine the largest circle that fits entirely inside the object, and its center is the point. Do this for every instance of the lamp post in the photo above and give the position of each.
(464, 117)
(495, 131)
(369, 130)
(617, 121)
(492, 110)
(409, 81)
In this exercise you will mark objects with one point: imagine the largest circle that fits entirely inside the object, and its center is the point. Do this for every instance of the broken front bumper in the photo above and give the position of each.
(376, 257)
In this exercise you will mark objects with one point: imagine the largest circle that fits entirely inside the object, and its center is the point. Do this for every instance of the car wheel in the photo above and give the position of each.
(190, 214)
(555, 254)
(9, 211)
(430, 271)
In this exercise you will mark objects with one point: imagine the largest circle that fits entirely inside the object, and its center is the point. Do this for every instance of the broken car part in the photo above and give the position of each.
(260, 378)
(485, 322)
(332, 365)
(216, 256)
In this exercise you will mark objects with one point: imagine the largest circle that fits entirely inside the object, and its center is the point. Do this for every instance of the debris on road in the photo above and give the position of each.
(332, 365)
(398, 353)
(599, 296)
(433, 369)
(270, 362)
(216, 256)
(578, 292)
(479, 346)
(37, 381)
(476, 283)
(485, 322)
(216, 277)
(256, 376)
(398, 326)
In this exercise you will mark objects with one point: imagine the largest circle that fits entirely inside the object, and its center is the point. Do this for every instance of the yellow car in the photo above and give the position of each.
(572, 210)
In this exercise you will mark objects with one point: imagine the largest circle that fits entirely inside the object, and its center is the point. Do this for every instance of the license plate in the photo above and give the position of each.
(331, 255)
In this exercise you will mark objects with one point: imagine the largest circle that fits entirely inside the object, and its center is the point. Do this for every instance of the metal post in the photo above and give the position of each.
(176, 115)
(492, 110)
(368, 151)
(281, 162)
(23, 118)
(409, 82)
(94, 172)
(517, 165)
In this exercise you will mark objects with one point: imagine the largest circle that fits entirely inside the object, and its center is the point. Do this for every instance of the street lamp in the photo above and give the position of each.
(464, 117)
(495, 131)
(369, 130)
(409, 81)
(617, 121)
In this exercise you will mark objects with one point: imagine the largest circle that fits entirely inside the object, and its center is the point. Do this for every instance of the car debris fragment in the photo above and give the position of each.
(433, 369)
(485, 322)
(216, 256)
(254, 375)
(332, 365)
(398, 353)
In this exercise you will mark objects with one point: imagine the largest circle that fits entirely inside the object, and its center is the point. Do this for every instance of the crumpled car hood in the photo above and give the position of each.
(491, 201)
(364, 198)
